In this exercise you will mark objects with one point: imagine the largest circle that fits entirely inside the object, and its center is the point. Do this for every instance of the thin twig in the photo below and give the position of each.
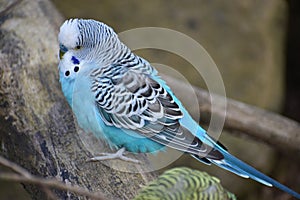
(51, 183)
(25, 177)
(16, 168)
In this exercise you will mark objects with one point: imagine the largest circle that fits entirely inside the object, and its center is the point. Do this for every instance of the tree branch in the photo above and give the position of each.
(280, 132)
(37, 128)
(51, 183)
(24, 176)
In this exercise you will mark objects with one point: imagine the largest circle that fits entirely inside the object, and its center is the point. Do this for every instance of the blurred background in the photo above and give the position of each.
(255, 45)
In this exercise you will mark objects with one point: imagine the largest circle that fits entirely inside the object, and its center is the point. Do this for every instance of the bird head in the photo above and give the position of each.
(85, 38)
(84, 43)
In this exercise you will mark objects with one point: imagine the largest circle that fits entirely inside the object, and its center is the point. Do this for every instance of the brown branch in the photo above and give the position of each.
(37, 128)
(24, 176)
(52, 183)
(14, 167)
(280, 132)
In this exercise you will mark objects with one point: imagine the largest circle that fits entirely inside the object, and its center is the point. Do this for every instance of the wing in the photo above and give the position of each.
(130, 99)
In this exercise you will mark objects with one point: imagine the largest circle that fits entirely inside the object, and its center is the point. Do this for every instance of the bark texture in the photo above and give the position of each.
(37, 129)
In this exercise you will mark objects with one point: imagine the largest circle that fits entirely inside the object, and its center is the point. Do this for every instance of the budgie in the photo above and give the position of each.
(184, 183)
(119, 97)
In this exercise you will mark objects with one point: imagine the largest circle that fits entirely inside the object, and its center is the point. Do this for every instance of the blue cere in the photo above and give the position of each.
(63, 48)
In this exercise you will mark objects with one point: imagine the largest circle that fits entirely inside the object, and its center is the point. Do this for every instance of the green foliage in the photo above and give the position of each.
(186, 184)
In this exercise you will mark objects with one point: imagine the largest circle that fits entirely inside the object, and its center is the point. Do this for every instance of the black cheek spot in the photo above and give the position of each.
(76, 69)
(67, 73)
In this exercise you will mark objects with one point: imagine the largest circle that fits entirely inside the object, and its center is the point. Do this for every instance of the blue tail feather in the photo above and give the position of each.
(235, 165)
(239, 167)
(229, 162)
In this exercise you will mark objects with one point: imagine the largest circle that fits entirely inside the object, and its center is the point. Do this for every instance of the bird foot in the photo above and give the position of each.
(110, 156)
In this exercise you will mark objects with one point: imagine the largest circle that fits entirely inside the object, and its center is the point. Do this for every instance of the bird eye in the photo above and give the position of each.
(78, 47)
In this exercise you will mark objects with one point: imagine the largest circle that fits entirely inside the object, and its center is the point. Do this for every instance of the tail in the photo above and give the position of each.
(229, 162)
(233, 164)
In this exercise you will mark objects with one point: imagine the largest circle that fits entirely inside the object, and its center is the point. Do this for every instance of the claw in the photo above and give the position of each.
(110, 156)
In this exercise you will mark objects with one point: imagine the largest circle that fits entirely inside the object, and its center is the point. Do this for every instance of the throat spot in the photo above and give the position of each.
(75, 60)
(76, 69)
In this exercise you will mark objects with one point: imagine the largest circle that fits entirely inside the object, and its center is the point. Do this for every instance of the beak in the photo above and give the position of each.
(62, 51)
(61, 54)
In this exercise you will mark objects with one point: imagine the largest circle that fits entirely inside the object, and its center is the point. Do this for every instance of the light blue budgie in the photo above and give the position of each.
(183, 183)
(118, 96)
